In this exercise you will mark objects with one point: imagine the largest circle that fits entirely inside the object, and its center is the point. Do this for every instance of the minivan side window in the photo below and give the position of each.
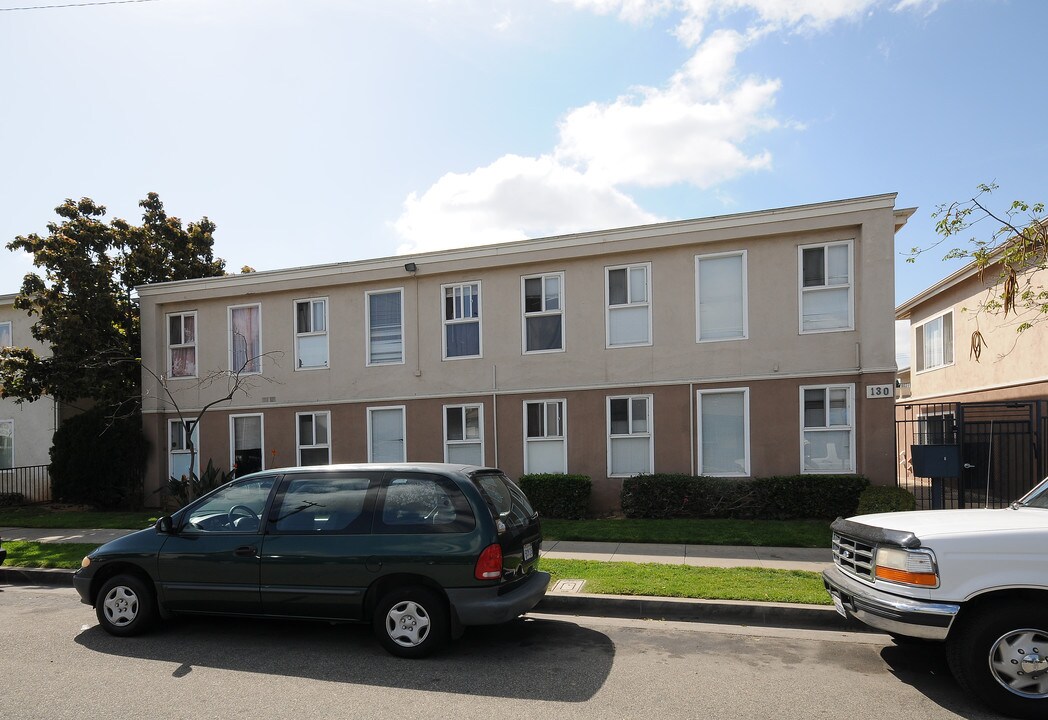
(506, 501)
(423, 504)
(322, 505)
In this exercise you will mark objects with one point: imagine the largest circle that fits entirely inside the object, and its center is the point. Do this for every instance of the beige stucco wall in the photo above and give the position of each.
(773, 361)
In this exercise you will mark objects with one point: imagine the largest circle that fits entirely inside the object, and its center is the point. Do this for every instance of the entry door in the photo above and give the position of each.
(211, 563)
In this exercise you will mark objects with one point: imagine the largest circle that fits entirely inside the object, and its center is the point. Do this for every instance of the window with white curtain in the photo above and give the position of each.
(461, 320)
(826, 287)
(314, 438)
(630, 439)
(828, 434)
(543, 303)
(628, 300)
(934, 341)
(545, 437)
(386, 434)
(181, 345)
(720, 289)
(6, 339)
(245, 338)
(311, 334)
(724, 426)
(464, 434)
(385, 327)
(246, 444)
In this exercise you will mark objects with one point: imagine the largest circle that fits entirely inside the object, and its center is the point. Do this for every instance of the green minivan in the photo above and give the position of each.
(418, 550)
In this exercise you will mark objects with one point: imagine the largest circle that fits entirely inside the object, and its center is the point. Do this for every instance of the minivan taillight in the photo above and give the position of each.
(489, 564)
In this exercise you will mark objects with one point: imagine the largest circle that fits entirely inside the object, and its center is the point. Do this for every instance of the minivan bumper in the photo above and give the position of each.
(484, 606)
(891, 613)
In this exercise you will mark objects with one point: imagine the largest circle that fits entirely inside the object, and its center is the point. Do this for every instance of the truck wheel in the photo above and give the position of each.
(125, 606)
(1001, 657)
(411, 622)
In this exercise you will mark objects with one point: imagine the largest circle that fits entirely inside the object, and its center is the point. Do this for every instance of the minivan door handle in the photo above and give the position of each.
(246, 551)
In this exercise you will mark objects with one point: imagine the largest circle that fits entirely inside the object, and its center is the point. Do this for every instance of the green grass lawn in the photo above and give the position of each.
(757, 533)
(45, 555)
(683, 581)
(44, 516)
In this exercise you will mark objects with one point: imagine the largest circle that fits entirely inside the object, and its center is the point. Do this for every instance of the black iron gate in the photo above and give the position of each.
(957, 455)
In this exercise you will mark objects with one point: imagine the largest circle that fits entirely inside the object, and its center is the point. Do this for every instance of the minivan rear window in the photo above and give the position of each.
(506, 501)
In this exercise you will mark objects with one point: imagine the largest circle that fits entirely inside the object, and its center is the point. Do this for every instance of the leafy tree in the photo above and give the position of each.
(1013, 244)
(84, 300)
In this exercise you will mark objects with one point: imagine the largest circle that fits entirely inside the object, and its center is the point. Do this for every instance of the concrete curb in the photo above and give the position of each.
(721, 612)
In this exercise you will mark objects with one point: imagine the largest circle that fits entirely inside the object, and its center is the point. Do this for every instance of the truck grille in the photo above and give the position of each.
(853, 556)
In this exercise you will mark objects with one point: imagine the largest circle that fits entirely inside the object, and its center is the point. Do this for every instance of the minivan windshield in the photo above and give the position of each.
(506, 501)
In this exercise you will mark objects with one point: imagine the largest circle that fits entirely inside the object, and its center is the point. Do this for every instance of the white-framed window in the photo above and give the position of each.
(720, 293)
(6, 335)
(464, 434)
(386, 434)
(245, 338)
(934, 342)
(724, 432)
(313, 438)
(462, 337)
(545, 436)
(178, 451)
(628, 302)
(246, 434)
(181, 345)
(542, 297)
(385, 327)
(826, 287)
(828, 429)
(936, 429)
(631, 447)
(7, 444)
(311, 334)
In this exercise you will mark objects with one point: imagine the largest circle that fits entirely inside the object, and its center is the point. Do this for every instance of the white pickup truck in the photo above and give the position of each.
(976, 579)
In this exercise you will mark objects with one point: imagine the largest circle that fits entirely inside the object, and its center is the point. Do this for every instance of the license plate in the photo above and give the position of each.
(839, 605)
(529, 552)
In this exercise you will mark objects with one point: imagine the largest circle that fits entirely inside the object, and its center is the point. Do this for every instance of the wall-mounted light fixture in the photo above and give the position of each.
(410, 267)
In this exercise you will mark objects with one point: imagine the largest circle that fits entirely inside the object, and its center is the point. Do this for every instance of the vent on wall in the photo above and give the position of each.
(271, 399)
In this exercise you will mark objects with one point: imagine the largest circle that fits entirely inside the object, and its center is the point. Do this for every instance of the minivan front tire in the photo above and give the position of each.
(125, 606)
(411, 622)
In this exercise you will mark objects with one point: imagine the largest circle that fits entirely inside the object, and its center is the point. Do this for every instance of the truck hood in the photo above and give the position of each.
(927, 524)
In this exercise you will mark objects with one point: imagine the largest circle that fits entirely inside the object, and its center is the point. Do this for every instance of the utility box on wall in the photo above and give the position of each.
(936, 461)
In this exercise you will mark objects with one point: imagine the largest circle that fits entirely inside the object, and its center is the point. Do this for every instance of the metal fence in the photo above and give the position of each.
(25, 485)
(957, 455)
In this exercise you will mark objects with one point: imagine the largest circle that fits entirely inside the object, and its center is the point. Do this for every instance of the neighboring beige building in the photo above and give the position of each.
(25, 429)
(742, 345)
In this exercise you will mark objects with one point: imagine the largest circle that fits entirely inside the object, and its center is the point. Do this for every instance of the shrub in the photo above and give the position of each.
(187, 488)
(878, 499)
(773, 498)
(11, 499)
(98, 460)
(558, 495)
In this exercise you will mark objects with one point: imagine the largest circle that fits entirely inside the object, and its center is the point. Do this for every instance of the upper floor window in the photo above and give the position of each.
(545, 440)
(5, 334)
(826, 287)
(464, 434)
(720, 291)
(181, 345)
(934, 340)
(828, 434)
(543, 301)
(462, 320)
(628, 305)
(311, 336)
(314, 438)
(385, 330)
(630, 446)
(245, 338)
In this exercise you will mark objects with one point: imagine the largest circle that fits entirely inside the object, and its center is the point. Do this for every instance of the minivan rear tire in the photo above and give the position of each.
(411, 622)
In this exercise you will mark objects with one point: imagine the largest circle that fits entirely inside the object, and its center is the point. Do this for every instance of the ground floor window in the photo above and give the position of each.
(828, 429)
(246, 433)
(314, 438)
(630, 437)
(7, 444)
(545, 440)
(179, 451)
(464, 434)
(724, 441)
(386, 434)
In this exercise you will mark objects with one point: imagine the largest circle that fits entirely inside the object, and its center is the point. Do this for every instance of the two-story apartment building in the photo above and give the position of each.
(26, 429)
(741, 345)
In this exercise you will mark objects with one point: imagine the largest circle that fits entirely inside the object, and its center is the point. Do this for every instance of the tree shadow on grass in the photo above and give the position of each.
(528, 658)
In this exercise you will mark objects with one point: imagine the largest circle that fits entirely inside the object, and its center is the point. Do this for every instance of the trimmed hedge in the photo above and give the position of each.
(878, 499)
(99, 461)
(557, 495)
(772, 498)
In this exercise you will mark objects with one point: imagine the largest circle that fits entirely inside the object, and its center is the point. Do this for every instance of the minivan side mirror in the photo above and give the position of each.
(165, 525)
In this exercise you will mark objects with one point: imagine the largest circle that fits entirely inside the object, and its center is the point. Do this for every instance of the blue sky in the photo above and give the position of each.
(315, 131)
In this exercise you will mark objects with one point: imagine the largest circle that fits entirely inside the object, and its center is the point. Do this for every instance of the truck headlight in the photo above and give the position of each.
(908, 567)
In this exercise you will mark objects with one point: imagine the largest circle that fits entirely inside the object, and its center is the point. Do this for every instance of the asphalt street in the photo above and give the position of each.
(57, 663)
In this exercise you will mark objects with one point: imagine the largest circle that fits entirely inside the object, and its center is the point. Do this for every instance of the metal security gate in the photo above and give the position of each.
(958, 455)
